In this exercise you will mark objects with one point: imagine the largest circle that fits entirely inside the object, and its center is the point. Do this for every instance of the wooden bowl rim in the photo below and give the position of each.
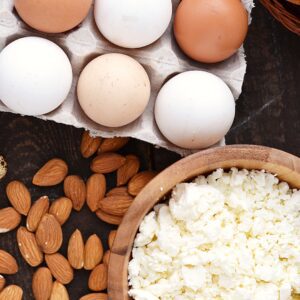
(285, 165)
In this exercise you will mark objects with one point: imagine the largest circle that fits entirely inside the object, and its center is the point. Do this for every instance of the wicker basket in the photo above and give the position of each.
(287, 13)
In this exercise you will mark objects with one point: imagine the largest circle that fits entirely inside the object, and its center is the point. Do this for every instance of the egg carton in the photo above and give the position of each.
(162, 60)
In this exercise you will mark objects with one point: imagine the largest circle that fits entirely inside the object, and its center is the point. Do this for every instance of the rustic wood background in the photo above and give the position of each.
(268, 113)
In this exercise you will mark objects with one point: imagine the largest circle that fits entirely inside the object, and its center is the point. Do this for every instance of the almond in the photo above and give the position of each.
(107, 162)
(36, 212)
(95, 296)
(29, 247)
(118, 191)
(139, 181)
(11, 292)
(49, 234)
(8, 264)
(59, 292)
(42, 284)
(106, 257)
(128, 170)
(95, 190)
(61, 208)
(19, 196)
(98, 278)
(89, 145)
(112, 144)
(76, 250)
(297, 2)
(59, 267)
(74, 188)
(9, 219)
(52, 173)
(111, 238)
(3, 167)
(108, 218)
(115, 205)
(93, 252)
(2, 282)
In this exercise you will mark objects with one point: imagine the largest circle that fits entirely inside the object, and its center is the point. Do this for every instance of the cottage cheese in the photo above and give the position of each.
(232, 235)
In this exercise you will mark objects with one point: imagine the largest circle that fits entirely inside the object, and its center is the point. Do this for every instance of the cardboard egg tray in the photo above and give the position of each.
(162, 60)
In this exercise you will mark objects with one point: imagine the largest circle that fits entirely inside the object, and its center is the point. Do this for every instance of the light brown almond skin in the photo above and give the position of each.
(107, 218)
(139, 181)
(95, 190)
(9, 219)
(29, 247)
(11, 292)
(19, 196)
(95, 296)
(118, 191)
(111, 238)
(107, 162)
(98, 278)
(61, 208)
(115, 205)
(2, 282)
(76, 250)
(128, 170)
(112, 144)
(49, 235)
(89, 145)
(106, 257)
(52, 173)
(59, 292)
(59, 267)
(8, 264)
(93, 252)
(36, 212)
(42, 284)
(75, 189)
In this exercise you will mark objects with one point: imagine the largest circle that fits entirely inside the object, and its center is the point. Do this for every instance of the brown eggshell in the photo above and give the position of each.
(210, 30)
(53, 16)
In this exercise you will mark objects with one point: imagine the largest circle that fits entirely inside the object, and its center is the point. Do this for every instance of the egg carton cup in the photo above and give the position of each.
(162, 60)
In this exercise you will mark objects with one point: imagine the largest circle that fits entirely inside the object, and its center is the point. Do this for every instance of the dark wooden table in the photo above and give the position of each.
(268, 113)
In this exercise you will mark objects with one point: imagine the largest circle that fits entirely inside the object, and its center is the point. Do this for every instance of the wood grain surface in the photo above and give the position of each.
(268, 113)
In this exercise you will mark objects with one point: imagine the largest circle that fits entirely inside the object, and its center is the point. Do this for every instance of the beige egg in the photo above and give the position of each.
(113, 90)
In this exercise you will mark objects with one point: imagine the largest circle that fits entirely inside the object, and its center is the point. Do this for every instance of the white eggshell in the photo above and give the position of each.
(133, 23)
(35, 76)
(194, 110)
(113, 90)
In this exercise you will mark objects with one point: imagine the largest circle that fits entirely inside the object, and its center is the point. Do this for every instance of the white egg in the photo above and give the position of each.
(35, 76)
(194, 110)
(133, 23)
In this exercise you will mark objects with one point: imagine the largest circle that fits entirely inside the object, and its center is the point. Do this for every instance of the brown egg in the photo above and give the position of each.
(53, 16)
(210, 30)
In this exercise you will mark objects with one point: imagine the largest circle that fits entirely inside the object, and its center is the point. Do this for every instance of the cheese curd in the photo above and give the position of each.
(231, 235)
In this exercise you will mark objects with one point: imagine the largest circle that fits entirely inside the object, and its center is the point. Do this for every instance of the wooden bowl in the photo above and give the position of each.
(285, 165)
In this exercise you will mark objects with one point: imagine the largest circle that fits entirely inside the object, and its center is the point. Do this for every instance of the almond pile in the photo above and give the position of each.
(42, 237)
